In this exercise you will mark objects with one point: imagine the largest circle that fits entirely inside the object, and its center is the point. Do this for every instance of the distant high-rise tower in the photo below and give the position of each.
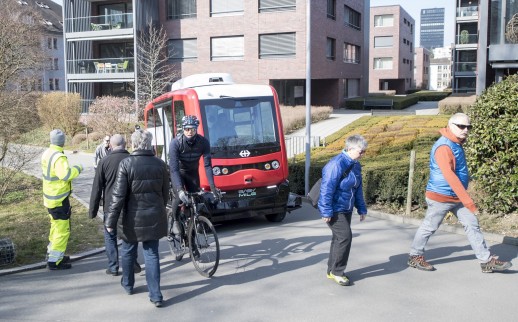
(432, 28)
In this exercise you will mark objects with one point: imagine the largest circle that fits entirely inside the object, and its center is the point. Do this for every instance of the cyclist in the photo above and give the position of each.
(185, 152)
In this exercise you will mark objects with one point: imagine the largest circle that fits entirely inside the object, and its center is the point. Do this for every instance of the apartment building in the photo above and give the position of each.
(391, 57)
(52, 77)
(432, 28)
(486, 44)
(421, 68)
(440, 74)
(258, 42)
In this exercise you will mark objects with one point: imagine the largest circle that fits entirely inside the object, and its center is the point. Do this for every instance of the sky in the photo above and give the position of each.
(413, 7)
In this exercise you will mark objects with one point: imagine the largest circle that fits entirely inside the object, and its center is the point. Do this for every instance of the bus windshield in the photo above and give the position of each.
(233, 124)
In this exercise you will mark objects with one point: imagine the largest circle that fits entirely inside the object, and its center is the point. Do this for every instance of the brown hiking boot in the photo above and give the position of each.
(494, 265)
(417, 261)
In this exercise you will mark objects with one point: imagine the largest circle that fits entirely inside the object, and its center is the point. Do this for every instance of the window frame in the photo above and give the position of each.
(277, 54)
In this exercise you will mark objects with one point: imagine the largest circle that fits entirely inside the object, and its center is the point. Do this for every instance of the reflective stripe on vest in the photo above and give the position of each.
(55, 190)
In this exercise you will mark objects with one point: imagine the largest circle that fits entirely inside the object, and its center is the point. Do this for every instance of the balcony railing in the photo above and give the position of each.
(465, 66)
(470, 11)
(99, 23)
(465, 39)
(101, 66)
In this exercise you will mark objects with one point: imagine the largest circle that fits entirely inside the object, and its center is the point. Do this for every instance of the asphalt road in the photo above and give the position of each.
(276, 272)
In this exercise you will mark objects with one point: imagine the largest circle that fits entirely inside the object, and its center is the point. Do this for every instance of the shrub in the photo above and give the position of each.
(455, 104)
(60, 110)
(294, 117)
(78, 138)
(493, 145)
(110, 115)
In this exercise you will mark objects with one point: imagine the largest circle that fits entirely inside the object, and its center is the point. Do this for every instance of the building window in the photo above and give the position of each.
(56, 84)
(331, 9)
(277, 5)
(383, 63)
(384, 21)
(331, 48)
(220, 8)
(351, 53)
(51, 84)
(351, 87)
(227, 48)
(55, 43)
(56, 64)
(182, 49)
(383, 41)
(49, 43)
(277, 45)
(181, 9)
(352, 18)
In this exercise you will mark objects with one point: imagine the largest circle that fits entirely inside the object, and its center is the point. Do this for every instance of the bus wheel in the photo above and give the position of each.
(276, 217)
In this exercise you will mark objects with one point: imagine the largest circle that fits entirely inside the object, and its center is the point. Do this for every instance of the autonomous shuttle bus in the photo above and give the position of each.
(244, 127)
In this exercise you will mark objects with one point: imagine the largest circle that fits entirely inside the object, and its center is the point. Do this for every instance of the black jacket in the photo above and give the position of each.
(104, 180)
(184, 158)
(141, 192)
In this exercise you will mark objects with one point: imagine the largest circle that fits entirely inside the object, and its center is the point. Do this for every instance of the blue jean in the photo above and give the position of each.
(152, 261)
(112, 250)
(340, 248)
(433, 219)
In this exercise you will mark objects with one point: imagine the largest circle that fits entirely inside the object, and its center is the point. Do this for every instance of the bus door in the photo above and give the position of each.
(160, 124)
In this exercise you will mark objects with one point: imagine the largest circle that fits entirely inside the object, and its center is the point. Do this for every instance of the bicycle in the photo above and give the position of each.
(197, 235)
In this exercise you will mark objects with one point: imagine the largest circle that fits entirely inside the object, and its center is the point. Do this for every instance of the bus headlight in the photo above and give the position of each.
(224, 170)
(276, 165)
(216, 171)
(267, 166)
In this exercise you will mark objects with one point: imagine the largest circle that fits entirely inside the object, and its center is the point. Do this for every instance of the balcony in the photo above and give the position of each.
(470, 67)
(98, 27)
(470, 12)
(466, 39)
(101, 70)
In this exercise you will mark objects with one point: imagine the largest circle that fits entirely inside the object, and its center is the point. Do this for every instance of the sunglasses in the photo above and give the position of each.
(463, 126)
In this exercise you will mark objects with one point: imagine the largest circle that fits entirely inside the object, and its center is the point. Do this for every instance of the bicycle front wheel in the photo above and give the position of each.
(203, 246)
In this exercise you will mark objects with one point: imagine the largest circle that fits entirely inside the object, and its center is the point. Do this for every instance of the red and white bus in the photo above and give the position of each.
(244, 127)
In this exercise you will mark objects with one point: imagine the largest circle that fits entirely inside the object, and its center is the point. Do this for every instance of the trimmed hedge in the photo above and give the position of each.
(400, 102)
(386, 163)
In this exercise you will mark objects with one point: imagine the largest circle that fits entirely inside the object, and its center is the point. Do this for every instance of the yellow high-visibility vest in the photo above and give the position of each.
(57, 176)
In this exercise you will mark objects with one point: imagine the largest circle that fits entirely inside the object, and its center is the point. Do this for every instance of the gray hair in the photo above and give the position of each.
(459, 118)
(355, 141)
(117, 142)
(141, 140)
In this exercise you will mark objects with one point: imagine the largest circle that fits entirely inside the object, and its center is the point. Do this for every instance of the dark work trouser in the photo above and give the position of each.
(340, 226)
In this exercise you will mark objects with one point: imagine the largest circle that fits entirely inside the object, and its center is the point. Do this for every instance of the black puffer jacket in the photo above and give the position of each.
(141, 192)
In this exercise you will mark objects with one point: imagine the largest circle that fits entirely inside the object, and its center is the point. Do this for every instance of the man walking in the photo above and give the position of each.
(102, 187)
(57, 186)
(446, 191)
(140, 192)
(102, 150)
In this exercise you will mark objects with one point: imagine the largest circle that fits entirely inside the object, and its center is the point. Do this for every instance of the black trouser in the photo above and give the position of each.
(191, 181)
(340, 226)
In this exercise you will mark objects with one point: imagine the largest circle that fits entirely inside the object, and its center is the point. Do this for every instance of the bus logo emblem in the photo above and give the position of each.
(244, 153)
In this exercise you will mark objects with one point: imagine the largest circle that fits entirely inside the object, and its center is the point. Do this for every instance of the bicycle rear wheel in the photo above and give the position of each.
(203, 246)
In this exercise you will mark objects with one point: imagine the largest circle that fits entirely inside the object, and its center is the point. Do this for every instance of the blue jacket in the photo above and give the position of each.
(338, 194)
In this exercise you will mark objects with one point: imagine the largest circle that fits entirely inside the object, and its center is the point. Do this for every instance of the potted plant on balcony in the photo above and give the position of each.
(464, 37)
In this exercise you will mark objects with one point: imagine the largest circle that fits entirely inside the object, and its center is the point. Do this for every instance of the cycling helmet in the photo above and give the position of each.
(190, 121)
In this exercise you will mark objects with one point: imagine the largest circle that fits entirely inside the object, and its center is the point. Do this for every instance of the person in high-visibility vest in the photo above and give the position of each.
(57, 187)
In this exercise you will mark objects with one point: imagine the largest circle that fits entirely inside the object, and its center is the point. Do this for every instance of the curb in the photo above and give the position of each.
(39, 265)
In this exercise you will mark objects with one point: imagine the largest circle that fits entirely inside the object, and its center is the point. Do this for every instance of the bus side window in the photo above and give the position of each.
(179, 113)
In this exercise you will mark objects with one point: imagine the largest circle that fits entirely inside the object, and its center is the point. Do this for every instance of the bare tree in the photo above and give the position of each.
(21, 61)
(154, 70)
